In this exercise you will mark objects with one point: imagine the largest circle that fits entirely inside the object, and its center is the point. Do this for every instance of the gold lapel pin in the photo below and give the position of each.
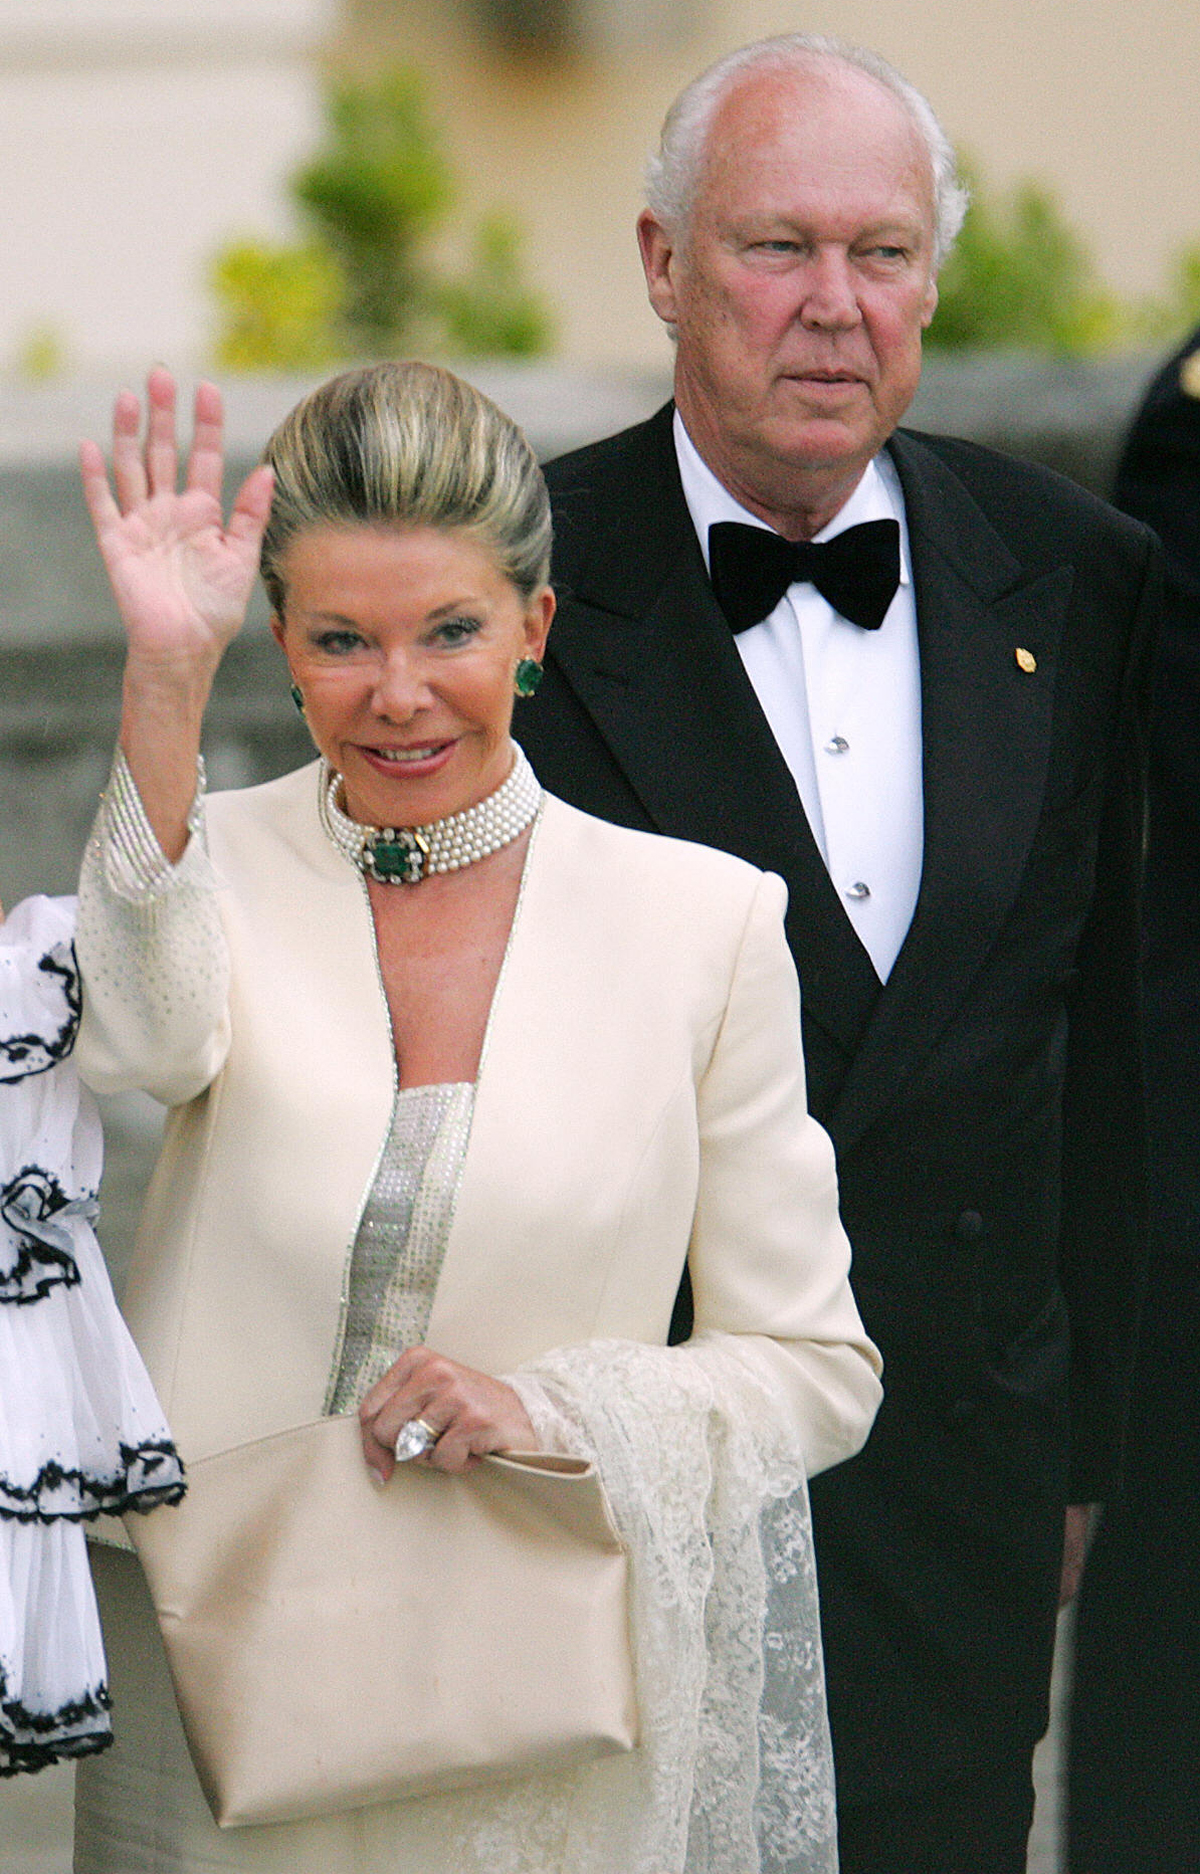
(1026, 660)
(1189, 375)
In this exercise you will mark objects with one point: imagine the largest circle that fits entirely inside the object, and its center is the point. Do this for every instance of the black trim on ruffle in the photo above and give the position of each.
(35, 1207)
(150, 1474)
(31, 1053)
(36, 1274)
(33, 1740)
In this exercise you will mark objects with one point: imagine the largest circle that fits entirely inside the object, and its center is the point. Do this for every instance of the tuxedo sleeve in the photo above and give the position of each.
(1103, 1224)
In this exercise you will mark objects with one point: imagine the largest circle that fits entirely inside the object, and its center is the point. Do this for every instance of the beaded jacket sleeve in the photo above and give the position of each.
(157, 1013)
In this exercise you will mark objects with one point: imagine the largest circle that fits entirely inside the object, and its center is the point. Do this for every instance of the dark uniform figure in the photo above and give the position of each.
(1135, 1731)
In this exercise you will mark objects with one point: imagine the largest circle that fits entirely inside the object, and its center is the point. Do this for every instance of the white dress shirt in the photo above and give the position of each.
(844, 705)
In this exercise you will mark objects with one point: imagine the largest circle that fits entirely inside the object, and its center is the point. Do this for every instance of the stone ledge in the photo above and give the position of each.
(1070, 415)
(559, 406)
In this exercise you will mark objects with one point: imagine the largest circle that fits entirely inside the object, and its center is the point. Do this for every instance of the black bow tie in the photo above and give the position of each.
(857, 571)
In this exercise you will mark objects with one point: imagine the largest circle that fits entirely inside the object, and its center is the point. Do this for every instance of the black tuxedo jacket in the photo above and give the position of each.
(985, 1104)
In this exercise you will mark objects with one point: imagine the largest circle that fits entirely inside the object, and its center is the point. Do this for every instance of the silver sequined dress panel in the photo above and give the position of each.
(402, 1235)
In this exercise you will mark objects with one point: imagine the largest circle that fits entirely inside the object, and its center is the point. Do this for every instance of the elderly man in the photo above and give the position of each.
(906, 674)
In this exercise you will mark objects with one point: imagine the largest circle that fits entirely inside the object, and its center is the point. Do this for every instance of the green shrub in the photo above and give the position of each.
(367, 281)
(42, 352)
(376, 192)
(1019, 278)
(488, 311)
(281, 306)
(1162, 320)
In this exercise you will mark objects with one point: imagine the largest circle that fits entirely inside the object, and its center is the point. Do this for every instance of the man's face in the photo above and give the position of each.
(801, 287)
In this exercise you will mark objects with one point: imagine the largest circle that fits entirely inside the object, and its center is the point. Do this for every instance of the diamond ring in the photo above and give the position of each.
(414, 1439)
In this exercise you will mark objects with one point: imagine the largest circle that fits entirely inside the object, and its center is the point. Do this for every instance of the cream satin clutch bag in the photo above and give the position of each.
(333, 1644)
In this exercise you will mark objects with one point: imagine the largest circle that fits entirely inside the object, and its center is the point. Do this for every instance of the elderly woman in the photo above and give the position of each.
(460, 1080)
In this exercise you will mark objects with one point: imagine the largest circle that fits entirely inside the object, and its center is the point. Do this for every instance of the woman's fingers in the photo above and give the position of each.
(252, 508)
(181, 578)
(129, 468)
(456, 1451)
(385, 1388)
(162, 456)
(206, 462)
(96, 491)
(146, 467)
(470, 1412)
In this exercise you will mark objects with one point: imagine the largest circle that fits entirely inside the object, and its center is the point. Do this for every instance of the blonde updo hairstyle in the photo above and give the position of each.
(405, 444)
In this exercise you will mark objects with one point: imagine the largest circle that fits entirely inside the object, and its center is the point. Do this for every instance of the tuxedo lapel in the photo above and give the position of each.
(986, 721)
(664, 683)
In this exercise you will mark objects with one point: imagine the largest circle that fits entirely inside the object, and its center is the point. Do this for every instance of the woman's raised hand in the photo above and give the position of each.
(181, 575)
(182, 578)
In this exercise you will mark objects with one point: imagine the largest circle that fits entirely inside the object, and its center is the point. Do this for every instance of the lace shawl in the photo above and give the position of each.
(734, 1771)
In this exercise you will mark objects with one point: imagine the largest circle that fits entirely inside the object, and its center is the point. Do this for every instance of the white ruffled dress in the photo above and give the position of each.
(81, 1431)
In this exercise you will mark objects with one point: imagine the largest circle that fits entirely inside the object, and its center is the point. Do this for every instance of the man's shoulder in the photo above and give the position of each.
(623, 489)
(1023, 500)
(979, 465)
(612, 459)
(1176, 384)
(635, 465)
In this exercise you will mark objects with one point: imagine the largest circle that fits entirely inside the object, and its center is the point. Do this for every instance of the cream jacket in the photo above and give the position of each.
(640, 1102)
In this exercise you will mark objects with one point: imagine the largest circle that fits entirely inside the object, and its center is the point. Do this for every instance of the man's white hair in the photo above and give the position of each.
(673, 172)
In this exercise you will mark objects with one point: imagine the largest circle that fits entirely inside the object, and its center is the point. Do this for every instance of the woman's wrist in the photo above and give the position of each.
(161, 721)
(167, 688)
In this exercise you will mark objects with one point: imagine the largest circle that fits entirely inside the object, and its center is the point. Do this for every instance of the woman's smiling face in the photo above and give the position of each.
(404, 642)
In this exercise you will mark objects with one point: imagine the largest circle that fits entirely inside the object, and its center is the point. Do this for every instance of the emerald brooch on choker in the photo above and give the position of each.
(404, 855)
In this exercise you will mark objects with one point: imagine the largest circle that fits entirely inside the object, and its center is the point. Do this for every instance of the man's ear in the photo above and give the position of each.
(659, 264)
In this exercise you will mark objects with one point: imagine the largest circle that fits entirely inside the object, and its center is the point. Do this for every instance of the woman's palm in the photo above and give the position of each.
(182, 580)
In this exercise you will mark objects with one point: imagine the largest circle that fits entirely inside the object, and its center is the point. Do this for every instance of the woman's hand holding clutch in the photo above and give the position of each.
(457, 1415)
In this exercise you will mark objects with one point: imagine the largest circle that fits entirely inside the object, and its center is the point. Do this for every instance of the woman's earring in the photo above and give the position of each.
(527, 676)
(298, 698)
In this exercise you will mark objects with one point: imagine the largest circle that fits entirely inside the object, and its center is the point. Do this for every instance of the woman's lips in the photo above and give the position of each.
(418, 758)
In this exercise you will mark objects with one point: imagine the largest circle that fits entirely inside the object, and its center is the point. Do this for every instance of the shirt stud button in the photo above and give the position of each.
(837, 745)
(858, 890)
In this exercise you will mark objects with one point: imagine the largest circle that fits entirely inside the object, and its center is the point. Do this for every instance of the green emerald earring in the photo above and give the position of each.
(298, 698)
(527, 676)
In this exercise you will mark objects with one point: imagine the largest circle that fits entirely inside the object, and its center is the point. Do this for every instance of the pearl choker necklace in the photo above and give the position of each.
(404, 855)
